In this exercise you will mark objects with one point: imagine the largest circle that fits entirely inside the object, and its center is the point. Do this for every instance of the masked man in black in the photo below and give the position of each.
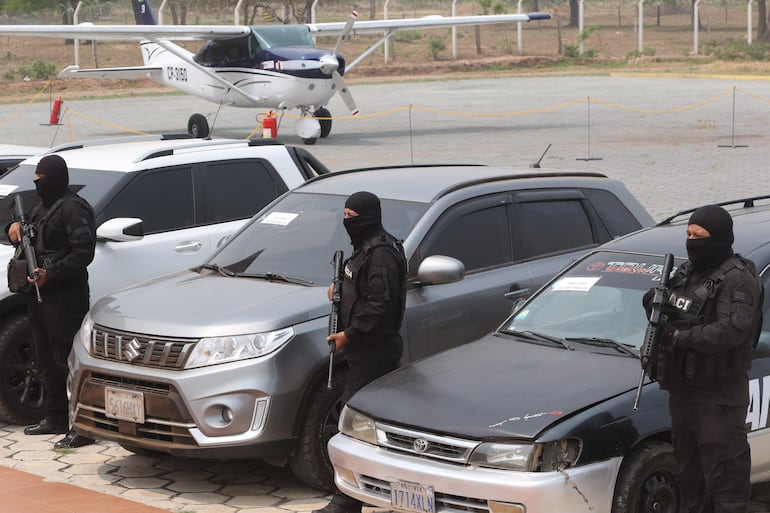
(714, 314)
(371, 307)
(65, 243)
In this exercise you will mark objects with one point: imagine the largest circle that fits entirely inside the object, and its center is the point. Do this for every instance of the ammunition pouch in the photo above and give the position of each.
(17, 276)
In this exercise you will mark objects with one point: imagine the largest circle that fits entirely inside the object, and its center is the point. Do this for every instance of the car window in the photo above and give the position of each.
(238, 189)
(477, 235)
(163, 199)
(612, 211)
(544, 227)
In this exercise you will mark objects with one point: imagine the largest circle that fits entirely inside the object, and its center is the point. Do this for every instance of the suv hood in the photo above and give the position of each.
(188, 304)
(497, 387)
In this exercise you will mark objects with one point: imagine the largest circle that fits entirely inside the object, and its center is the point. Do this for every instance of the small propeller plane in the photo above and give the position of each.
(262, 66)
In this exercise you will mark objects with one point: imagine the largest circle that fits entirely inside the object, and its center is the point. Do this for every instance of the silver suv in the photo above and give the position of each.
(229, 360)
(161, 205)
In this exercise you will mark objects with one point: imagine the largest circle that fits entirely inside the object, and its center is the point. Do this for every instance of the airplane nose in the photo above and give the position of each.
(329, 63)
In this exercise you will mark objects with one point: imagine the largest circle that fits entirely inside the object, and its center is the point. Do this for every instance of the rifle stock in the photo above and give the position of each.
(335, 313)
(654, 333)
(27, 235)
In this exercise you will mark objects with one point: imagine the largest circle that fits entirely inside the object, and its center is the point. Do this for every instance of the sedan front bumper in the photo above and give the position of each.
(366, 472)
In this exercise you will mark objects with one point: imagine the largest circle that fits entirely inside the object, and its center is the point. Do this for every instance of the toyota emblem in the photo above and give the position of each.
(421, 445)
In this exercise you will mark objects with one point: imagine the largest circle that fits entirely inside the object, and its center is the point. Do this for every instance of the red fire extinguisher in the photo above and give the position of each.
(269, 125)
(55, 111)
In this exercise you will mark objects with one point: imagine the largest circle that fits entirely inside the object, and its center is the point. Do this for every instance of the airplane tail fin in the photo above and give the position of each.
(143, 12)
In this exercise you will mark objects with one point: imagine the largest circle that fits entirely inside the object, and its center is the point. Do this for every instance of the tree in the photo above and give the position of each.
(762, 33)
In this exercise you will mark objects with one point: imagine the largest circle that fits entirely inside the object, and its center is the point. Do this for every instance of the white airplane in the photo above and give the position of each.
(265, 66)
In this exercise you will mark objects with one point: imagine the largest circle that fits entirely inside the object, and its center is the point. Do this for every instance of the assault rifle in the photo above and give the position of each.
(335, 315)
(654, 334)
(27, 236)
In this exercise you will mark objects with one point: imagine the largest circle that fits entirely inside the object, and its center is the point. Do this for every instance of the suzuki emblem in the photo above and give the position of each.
(131, 351)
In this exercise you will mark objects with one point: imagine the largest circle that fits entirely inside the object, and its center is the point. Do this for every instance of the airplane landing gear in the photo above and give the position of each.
(198, 126)
(308, 129)
(326, 124)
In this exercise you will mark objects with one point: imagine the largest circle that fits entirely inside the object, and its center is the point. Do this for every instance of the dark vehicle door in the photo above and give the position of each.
(476, 232)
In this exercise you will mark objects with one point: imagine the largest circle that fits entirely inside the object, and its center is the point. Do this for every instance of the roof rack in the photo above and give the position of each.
(113, 140)
(747, 203)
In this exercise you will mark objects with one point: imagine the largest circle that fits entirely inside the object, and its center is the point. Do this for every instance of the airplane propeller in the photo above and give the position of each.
(326, 64)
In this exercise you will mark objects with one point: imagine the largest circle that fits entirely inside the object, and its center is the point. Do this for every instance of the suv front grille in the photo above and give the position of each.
(422, 444)
(137, 349)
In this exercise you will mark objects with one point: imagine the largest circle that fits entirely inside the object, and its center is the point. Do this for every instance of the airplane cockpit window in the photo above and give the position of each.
(282, 35)
(228, 52)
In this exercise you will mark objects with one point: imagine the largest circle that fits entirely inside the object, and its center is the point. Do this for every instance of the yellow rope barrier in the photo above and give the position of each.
(26, 105)
(664, 111)
(105, 123)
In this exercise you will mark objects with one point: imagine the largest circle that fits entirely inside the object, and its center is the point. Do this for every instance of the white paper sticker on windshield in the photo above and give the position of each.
(279, 218)
(576, 283)
(5, 190)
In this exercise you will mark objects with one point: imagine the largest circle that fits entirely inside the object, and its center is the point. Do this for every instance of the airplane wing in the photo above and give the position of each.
(380, 26)
(90, 31)
(122, 72)
(129, 32)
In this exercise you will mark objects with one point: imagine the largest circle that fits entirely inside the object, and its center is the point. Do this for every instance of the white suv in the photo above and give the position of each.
(161, 205)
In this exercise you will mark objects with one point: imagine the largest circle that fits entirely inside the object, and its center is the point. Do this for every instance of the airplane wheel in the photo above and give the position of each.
(198, 126)
(326, 124)
(310, 141)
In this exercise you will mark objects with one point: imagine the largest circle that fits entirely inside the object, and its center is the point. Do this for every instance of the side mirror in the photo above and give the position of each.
(120, 229)
(440, 269)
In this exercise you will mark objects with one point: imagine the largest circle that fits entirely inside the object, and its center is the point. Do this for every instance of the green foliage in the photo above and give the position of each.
(9, 75)
(9, 56)
(649, 51)
(498, 8)
(486, 5)
(408, 36)
(571, 51)
(435, 45)
(738, 50)
(587, 31)
(39, 70)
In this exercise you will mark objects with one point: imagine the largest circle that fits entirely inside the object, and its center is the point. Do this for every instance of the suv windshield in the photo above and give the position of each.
(599, 298)
(298, 236)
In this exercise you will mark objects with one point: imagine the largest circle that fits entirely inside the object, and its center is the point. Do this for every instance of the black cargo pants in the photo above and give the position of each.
(712, 456)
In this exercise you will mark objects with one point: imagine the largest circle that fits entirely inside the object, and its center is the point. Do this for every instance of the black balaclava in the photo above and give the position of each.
(54, 178)
(369, 219)
(711, 251)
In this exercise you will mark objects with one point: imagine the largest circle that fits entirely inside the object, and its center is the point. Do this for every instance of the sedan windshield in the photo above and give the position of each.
(296, 238)
(598, 302)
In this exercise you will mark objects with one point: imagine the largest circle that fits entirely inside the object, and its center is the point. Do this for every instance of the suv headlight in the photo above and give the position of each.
(84, 335)
(214, 350)
(357, 425)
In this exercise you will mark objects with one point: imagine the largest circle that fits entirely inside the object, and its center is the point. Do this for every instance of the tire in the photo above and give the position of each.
(326, 124)
(22, 395)
(310, 140)
(310, 462)
(647, 481)
(198, 126)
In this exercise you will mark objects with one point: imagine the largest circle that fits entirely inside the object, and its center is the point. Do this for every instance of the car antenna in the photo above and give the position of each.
(537, 164)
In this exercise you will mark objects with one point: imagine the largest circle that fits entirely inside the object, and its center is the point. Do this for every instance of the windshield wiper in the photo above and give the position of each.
(216, 267)
(277, 277)
(605, 342)
(539, 337)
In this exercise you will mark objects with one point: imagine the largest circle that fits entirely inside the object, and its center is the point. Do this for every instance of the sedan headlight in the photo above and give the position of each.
(214, 350)
(503, 456)
(357, 425)
(84, 335)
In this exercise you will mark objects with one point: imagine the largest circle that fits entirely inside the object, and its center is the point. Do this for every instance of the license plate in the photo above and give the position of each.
(124, 404)
(412, 497)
